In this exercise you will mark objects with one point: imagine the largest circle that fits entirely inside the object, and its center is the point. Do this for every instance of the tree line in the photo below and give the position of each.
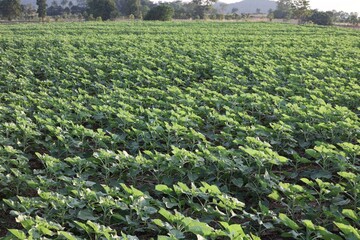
(108, 9)
(300, 9)
(148, 10)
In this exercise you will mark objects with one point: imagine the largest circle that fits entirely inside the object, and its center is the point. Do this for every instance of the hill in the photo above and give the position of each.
(246, 6)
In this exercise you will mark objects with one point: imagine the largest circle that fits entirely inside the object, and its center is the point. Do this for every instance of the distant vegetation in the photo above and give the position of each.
(300, 9)
(31, 10)
(161, 13)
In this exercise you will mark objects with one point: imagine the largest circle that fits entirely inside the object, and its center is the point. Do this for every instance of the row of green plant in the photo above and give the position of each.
(179, 131)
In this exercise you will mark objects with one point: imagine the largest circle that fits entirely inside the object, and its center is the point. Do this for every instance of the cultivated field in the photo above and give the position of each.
(182, 130)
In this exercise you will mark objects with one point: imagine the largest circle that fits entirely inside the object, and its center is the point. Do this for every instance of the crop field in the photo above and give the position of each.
(181, 130)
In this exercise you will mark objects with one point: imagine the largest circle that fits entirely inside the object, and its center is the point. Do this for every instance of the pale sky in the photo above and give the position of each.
(344, 5)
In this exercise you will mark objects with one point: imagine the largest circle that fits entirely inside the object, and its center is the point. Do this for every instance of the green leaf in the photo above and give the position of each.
(67, 235)
(351, 214)
(162, 237)
(234, 231)
(312, 153)
(239, 182)
(197, 227)
(18, 233)
(327, 235)
(84, 226)
(308, 182)
(158, 222)
(163, 188)
(347, 175)
(86, 215)
(348, 230)
(166, 214)
(288, 222)
(236, 228)
(264, 210)
(321, 174)
(254, 237)
(183, 187)
(308, 224)
(136, 192)
(45, 230)
(274, 195)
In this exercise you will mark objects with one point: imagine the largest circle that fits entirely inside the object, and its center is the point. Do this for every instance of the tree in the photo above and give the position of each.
(234, 10)
(301, 9)
(106, 9)
(134, 7)
(202, 7)
(270, 15)
(353, 18)
(28, 11)
(287, 9)
(320, 18)
(258, 11)
(182, 10)
(10, 9)
(41, 9)
(160, 13)
(284, 9)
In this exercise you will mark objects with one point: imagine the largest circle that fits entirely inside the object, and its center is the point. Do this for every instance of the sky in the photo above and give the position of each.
(324, 5)
(344, 5)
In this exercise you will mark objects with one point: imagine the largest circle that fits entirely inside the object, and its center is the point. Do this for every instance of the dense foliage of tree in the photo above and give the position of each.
(354, 19)
(321, 18)
(284, 9)
(137, 8)
(182, 10)
(160, 13)
(287, 9)
(41, 8)
(202, 8)
(106, 9)
(10, 9)
(301, 9)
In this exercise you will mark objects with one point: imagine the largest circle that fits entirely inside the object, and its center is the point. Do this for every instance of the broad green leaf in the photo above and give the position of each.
(347, 175)
(351, 214)
(67, 235)
(327, 235)
(312, 153)
(84, 226)
(308, 224)
(18, 233)
(158, 222)
(254, 237)
(288, 222)
(166, 214)
(308, 182)
(183, 187)
(163, 188)
(45, 230)
(321, 174)
(275, 195)
(239, 182)
(86, 214)
(161, 237)
(348, 230)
